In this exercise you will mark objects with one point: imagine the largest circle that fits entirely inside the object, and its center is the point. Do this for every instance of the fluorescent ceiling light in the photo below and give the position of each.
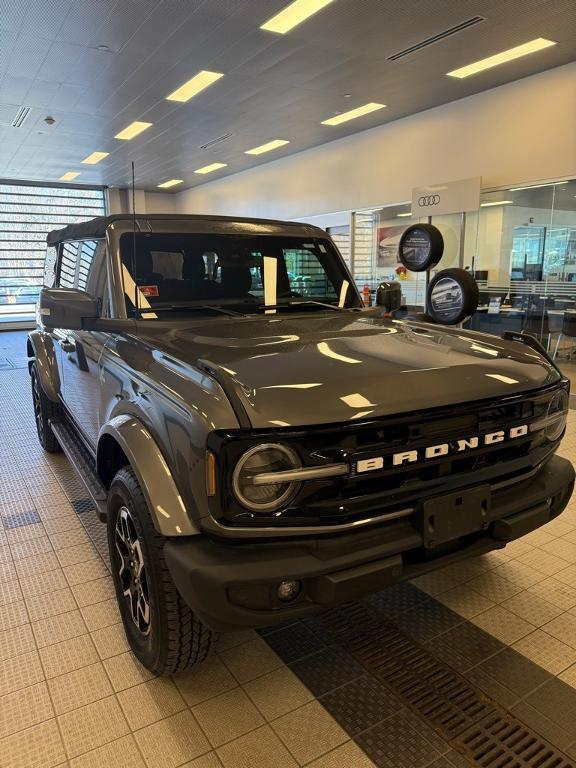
(496, 202)
(404, 214)
(501, 58)
(534, 186)
(275, 144)
(294, 14)
(211, 168)
(193, 86)
(354, 113)
(132, 130)
(95, 157)
(170, 183)
(69, 175)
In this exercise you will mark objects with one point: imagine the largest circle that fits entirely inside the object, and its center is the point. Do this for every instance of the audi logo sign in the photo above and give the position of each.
(428, 200)
(446, 197)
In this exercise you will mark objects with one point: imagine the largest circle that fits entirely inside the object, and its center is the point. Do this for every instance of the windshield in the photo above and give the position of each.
(183, 273)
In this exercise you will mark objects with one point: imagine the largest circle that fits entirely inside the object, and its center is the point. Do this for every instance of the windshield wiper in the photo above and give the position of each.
(188, 307)
(300, 304)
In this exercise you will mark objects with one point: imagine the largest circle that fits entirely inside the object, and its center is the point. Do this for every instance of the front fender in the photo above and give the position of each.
(156, 480)
(41, 348)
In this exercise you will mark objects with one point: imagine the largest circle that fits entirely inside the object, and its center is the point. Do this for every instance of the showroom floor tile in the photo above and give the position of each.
(308, 694)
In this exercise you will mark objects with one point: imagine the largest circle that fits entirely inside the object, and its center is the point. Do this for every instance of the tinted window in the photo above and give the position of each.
(171, 271)
(85, 262)
(50, 267)
(68, 265)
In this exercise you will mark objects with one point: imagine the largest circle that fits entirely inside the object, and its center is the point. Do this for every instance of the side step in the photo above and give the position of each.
(82, 463)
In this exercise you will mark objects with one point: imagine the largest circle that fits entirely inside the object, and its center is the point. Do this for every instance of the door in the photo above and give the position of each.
(83, 266)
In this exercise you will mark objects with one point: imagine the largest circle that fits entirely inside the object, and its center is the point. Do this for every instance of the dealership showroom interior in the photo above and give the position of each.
(287, 339)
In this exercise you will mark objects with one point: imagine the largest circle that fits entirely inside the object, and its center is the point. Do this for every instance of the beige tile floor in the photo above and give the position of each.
(71, 694)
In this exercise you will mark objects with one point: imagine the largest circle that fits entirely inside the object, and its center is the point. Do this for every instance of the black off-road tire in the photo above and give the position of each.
(44, 410)
(175, 638)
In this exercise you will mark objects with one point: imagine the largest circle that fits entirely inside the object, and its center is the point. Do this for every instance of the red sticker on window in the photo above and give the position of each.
(148, 290)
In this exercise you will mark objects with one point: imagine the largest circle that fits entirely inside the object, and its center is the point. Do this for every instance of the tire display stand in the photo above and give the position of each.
(452, 294)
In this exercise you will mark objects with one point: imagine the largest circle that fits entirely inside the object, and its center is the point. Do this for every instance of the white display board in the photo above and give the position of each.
(450, 197)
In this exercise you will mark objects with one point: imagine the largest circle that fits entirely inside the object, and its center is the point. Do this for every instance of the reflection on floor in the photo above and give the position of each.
(316, 693)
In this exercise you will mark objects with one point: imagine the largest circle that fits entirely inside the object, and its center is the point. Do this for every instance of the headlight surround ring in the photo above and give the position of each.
(265, 498)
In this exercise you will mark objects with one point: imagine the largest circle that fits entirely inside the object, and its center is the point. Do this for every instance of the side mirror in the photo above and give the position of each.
(66, 308)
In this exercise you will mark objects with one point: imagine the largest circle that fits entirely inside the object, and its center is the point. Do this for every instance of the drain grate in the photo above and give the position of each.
(474, 725)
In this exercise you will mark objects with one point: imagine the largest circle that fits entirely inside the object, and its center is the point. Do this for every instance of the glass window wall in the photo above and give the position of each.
(520, 245)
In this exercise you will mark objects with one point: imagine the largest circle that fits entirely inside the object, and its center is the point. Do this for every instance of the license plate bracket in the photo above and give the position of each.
(450, 516)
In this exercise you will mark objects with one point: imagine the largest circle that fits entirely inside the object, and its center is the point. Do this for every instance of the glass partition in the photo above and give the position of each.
(520, 245)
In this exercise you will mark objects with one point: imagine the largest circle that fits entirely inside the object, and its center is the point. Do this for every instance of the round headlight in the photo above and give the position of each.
(247, 480)
(557, 414)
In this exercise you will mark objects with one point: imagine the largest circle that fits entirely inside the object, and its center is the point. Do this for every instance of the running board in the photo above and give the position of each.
(82, 464)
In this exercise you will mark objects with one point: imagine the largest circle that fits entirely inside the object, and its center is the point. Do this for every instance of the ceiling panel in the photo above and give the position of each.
(97, 65)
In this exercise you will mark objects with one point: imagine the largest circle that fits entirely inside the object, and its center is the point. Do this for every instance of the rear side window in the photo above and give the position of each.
(50, 267)
(76, 265)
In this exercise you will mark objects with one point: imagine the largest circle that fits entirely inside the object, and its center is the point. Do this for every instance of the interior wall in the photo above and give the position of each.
(520, 132)
(120, 201)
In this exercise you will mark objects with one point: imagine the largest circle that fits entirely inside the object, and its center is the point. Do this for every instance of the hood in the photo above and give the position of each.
(319, 369)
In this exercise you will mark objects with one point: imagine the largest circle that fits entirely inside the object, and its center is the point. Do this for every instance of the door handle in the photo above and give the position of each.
(68, 346)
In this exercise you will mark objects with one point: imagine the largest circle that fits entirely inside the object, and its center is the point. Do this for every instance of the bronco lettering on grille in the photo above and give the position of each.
(442, 449)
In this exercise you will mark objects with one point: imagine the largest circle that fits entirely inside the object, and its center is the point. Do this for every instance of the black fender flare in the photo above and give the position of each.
(166, 505)
(40, 347)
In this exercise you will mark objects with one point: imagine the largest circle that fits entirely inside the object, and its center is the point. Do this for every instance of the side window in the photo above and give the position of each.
(68, 266)
(50, 267)
(86, 253)
(93, 273)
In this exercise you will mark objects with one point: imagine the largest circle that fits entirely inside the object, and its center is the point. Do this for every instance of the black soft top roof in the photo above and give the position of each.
(97, 227)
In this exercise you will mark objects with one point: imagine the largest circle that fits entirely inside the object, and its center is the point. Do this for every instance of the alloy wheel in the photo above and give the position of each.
(37, 403)
(132, 570)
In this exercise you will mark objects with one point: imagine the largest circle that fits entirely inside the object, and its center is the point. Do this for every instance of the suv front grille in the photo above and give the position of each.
(357, 496)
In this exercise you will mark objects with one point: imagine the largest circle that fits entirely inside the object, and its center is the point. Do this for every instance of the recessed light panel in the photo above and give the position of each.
(95, 157)
(275, 144)
(132, 130)
(354, 113)
(501, 58)
(193, 86)
(170, 183)
(211, 168)
(70, 175)
(294, 14)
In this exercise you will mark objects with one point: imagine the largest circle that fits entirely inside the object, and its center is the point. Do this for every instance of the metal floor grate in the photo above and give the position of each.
(478, 728)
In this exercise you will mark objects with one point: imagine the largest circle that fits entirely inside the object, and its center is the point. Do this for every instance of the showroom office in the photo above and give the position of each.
(242, 557)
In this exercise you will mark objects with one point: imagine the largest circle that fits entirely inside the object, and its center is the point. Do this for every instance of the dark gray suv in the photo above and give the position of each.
(259, 444)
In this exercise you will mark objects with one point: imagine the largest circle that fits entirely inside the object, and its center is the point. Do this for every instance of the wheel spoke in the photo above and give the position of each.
(132, 570)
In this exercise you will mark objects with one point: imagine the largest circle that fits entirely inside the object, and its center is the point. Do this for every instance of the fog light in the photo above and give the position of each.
(288, 590)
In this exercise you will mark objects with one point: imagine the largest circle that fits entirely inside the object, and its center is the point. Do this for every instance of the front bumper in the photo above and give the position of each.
(235, 586)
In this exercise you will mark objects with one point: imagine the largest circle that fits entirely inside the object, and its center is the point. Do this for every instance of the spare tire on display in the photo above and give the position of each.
(421, 247)
(452, 296)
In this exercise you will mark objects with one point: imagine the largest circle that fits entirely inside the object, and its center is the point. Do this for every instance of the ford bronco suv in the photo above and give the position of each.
(260, 445)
